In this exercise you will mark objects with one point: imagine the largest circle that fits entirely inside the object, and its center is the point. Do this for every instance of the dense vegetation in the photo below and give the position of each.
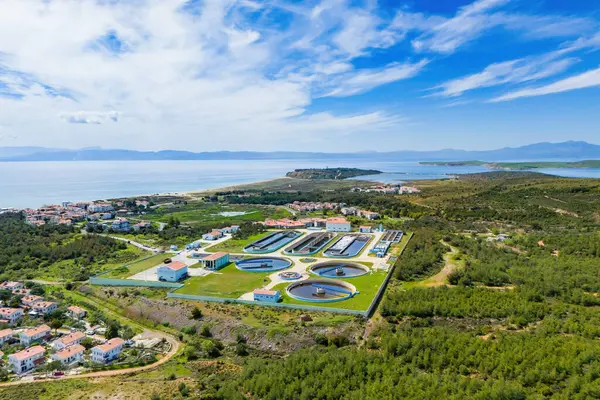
(330, 173)
(26, 251)
(422, 257)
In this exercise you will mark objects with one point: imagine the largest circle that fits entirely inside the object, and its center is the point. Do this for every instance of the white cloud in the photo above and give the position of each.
(362, 81)
(90, 117)
(585, 80)
(472, 21)
(508, 72)
(224, 76)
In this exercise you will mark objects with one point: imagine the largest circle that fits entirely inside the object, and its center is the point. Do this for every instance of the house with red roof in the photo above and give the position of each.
(5, 335)
(27, 360)
(108, 351)
(68, 340)
(69, 355)
(29, 336)
(11, 315)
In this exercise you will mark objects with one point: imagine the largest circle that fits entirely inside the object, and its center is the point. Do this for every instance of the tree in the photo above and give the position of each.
(56, 324)
(196, 313)
(205, 331)
(112, 331)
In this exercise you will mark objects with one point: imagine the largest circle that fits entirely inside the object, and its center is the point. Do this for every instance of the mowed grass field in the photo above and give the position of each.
(228, 282)
(217, 213)
(132, 269)
(236, 245)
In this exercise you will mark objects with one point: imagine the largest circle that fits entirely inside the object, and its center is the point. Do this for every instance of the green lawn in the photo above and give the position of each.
(236, 245)
(367, 285)
(131, 269)
(195, 212)
(228, 282)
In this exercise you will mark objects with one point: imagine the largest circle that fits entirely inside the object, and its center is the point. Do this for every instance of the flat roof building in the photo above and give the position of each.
(338, 224)
(216, 260)
(266, 295)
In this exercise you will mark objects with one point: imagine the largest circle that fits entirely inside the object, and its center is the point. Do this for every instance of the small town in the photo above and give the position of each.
(44, 336)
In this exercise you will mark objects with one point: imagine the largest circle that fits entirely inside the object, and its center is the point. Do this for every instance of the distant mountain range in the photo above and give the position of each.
(571, 150)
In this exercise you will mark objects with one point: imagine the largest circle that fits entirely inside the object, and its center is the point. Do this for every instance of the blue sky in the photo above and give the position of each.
(329, 75)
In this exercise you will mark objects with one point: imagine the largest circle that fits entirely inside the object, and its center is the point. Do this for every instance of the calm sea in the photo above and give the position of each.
(32, 184)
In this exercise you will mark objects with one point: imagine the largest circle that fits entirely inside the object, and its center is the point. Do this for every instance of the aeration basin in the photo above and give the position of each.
(347, 246)
(321, 290)
(311, 244)
(272, 242)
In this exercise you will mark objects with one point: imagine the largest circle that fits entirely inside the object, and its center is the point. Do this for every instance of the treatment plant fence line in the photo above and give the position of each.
(255, 303)
(383, 286)
(98, 280)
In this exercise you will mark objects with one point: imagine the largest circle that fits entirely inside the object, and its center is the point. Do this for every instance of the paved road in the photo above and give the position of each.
(134, 243)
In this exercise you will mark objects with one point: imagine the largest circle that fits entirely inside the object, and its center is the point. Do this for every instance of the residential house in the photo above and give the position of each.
(11, 285)
(76, 312)
(216, 260)
(27, 360)
(108, 351)
(12, 315)
(214, 235)
(5, 335)
(349, 211)
(230, 229)
(270, 296)
(338, 224)
(30, 300)
(29, 336)
(100, 208)
(172, 272)
(69, 355)
(21, 292)
(44, 307)
(370, 215)
(69, 340)
(142, 225)
(121, 225)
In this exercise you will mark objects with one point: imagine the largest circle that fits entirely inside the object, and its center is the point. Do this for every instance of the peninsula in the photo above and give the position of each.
(330, 173)
(527, 165)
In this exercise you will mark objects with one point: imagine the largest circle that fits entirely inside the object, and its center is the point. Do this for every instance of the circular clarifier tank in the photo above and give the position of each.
(263, 264)
(321, 290)
(339, 269)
